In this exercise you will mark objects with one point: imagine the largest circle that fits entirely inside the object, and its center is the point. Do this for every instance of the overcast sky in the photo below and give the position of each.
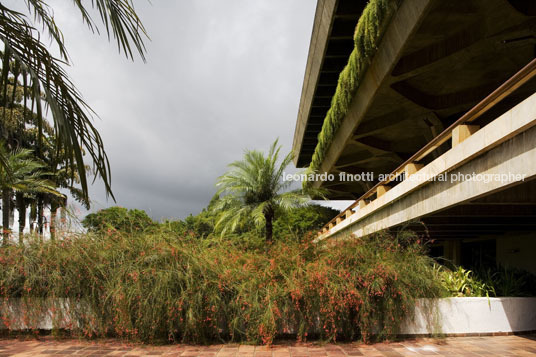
(221, 76)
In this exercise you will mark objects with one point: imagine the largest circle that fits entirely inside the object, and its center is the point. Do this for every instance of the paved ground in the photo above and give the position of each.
(454, 346)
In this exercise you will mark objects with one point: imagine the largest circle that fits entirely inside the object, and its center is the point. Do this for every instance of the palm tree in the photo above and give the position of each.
(254, 189)
(45, 83)
(23, 175)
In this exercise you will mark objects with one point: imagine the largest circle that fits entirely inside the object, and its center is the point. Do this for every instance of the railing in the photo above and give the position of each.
(458, 131)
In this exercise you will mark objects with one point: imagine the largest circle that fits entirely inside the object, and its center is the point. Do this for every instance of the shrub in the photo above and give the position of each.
(500, 281)
(509, 281)
(156, 286)
(292, 223)
(461, 282)
(297, 222)
(118, 219)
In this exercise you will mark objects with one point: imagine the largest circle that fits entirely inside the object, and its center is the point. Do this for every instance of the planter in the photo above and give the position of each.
(35, 313)
(450, 316)
(472, 316)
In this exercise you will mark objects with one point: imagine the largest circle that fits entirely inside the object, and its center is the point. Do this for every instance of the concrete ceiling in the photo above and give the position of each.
(461, 51)
(509, 211)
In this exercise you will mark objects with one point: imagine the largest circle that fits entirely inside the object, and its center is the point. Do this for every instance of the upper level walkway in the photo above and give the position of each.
(486, 173)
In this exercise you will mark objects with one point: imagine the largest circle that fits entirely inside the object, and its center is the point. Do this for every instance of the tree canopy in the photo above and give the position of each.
(118, 219)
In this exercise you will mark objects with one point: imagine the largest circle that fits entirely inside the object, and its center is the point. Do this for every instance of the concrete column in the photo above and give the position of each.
(453, 251)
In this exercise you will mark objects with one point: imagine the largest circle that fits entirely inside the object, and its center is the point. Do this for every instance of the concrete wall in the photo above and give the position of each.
(448, 316)
(472, 315)
(35, 313)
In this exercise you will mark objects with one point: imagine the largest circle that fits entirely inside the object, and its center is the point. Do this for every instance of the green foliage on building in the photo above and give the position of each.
(368, 33)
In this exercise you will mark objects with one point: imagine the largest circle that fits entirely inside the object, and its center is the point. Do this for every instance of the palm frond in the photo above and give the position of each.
(43, 14)
(5, 169)
(72, 121)
(26, 173)
(120, 21)
(292, 199)
(45, 81)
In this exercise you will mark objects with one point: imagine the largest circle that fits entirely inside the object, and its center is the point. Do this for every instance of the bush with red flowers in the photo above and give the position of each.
(155, 286)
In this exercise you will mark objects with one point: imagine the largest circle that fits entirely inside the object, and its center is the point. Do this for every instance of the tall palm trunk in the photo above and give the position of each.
(33, 216)
(63, 211)
(40, 215)
(269, 217)
(21, 207)
(6, 197)
(53, 212)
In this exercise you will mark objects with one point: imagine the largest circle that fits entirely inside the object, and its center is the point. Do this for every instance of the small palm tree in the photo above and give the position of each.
(254, 189)
(21, 173)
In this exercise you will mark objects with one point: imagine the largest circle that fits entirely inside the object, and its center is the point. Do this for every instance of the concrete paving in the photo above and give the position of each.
(452, 346)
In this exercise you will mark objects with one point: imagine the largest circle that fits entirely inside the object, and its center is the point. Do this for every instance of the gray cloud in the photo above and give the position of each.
(221, 76)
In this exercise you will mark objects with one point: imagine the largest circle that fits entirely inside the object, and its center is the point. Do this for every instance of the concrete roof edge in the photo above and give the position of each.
(324, 16)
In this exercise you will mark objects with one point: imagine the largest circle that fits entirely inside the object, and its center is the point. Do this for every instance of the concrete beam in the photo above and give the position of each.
(455, 48)
(382, 124)
(436, 102)
(438, 50)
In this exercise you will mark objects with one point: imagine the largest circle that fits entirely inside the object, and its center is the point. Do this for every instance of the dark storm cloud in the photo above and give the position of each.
(221, 76)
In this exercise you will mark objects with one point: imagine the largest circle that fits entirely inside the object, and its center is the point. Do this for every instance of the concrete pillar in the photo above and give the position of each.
(453, 251)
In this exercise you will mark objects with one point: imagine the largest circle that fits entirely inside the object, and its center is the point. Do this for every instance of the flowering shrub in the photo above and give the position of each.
(151, 287)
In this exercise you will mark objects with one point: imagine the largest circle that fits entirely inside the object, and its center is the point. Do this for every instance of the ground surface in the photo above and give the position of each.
(454, 346)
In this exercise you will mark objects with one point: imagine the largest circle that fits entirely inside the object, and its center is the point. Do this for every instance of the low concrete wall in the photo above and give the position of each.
(451, 316)
(472, 315)
(35, 313)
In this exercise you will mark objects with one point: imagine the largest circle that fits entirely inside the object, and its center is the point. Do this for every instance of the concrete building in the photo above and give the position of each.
(438, 132)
